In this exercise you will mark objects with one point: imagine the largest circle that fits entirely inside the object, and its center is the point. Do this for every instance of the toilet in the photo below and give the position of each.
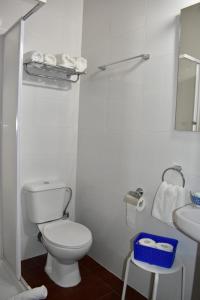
(65, 241)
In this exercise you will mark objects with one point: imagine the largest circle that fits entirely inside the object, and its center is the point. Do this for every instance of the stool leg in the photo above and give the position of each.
(183, 283)
(126, 278)
(155, 286)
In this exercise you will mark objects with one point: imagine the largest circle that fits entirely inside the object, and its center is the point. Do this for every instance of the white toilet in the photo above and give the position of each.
(65, 241)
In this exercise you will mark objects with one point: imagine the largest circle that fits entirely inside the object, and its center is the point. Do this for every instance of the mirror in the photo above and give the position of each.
(188, 88)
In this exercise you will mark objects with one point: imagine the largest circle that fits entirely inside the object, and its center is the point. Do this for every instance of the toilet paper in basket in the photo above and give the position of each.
(147, 242)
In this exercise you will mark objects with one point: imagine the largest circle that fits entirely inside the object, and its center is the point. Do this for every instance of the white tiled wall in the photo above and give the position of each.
(126, 129)
(49, 117)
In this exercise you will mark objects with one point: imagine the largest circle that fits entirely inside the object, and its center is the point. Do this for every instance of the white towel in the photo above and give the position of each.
(168, 198)
(65, 60)
(49, 59)
(35, 56)
(80, 64)
(33, 294)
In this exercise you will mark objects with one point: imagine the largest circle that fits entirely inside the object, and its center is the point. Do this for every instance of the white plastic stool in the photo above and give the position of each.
(177, 266)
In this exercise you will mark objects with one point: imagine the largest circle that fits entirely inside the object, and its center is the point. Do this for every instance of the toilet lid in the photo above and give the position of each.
(67, 234)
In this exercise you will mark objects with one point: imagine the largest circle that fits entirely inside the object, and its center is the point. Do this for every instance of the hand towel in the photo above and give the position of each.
(65, 60)
(33, 294)
(49, 59)
(34, 56)
(80, 64)
(168, 198)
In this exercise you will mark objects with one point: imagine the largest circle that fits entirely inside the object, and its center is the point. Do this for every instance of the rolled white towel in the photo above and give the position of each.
(35, 56)
(49, 59)
(65, 60)
(80, 64)
(33, 294)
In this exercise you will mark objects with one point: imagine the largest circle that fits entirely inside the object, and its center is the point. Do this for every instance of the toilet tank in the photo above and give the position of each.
(45, 200)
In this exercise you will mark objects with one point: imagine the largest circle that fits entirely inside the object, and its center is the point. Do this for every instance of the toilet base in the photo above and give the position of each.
(64, 275)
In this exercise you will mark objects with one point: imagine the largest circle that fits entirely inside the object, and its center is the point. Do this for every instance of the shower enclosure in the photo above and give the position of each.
(12, 72)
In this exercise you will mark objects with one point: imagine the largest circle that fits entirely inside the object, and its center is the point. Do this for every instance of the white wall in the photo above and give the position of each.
(1, 81)
(49, 121)
(126, 129)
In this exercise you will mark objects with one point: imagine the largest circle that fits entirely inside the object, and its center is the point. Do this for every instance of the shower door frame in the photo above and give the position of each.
(16, 266)
(11, 106)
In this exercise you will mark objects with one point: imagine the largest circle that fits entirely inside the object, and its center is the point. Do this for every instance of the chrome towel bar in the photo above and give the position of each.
(143, 56)
(176, 169)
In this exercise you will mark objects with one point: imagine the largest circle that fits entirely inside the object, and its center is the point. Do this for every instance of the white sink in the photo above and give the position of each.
(187, 219)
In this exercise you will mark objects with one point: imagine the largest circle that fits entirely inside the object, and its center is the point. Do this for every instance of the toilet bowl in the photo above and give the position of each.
(66, 243)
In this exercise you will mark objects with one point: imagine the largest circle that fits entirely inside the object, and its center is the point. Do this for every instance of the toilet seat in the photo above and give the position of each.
(67, 234)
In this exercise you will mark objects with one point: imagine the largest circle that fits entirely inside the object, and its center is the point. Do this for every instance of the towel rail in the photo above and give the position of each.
(143, 56)
(176, 169)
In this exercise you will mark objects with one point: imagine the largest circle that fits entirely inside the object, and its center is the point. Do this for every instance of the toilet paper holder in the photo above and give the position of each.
(137, 193)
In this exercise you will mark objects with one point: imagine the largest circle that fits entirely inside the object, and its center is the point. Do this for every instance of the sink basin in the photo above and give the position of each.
(187, 219)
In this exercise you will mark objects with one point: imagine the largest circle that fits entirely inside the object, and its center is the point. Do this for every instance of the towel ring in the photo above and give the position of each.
(177, 169)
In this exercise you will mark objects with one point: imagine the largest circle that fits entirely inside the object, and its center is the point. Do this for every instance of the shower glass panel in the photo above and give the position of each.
(10, 174)
(188, 88)
(186, 95)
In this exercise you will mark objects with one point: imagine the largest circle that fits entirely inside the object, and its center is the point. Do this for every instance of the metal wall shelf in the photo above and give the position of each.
(56, 73)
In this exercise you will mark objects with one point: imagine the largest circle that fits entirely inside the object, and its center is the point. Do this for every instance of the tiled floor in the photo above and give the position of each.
(97, 283)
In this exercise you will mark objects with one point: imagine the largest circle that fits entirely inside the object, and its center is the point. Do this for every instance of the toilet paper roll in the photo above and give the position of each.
(133, 205)
(129, 198)
(165, 247)
(130, 215)
(147, 242)
(141, 204)
(138, 203)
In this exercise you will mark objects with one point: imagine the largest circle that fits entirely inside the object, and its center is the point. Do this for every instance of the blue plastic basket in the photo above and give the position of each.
(155, 256)
(195, 197)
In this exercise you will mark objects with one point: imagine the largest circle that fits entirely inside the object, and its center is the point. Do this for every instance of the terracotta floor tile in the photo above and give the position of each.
(91, 288)
(97, 283)
(131, 294)
(88, 263)
(111, 296)
(110, 278)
